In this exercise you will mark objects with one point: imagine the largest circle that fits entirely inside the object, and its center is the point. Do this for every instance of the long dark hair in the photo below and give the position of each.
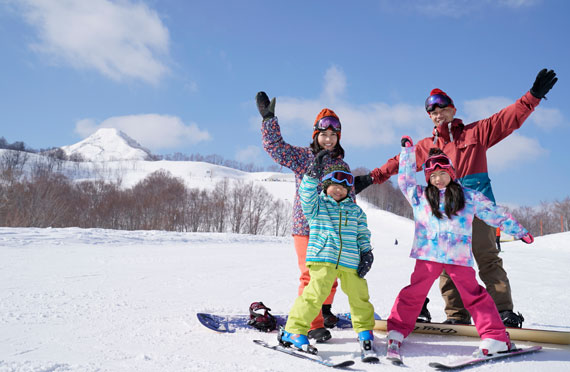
(454, 198)
(338, 151)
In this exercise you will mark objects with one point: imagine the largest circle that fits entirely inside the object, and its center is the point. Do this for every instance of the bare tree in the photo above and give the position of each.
(198, 216)
(12, 164)
(238, 199)
(257, 209)
(561, 210)
(280, 217)
(220, 205)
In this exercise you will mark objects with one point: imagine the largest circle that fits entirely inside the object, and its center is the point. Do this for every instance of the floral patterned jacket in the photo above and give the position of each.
(296, 159)
(448, 240)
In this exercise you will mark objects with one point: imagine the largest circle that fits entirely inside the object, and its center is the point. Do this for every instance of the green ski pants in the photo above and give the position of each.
(308, 304)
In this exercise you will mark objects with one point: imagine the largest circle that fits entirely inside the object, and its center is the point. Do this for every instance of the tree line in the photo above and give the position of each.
(40, 195)
(44, 195)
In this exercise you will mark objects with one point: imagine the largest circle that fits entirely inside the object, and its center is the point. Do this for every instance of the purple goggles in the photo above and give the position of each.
(328, 122)
(437, 100)
(340, 177)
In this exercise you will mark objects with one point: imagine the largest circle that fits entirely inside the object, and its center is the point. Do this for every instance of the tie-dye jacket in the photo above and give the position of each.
(448, 240)
(298, 160)
(339, 231)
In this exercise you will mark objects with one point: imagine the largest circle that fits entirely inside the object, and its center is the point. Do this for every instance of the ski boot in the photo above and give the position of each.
(425, 316)
(489, 346)
(320, 334)
(329, 317)
(454, 321)
(299, 341)
(367, 352)
(393, 354)
(511, 319)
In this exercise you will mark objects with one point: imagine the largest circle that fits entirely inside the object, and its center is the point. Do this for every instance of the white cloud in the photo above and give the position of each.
(150, 130)
(335, 84)
(547, 118)
(483, 108)
(514, 151)
(121, 40)
(453, 8)
(248, 155)
(517, 3)
(365, 125)
(544, 118)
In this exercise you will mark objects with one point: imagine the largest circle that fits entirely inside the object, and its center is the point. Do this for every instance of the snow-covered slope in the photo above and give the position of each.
(108, 144)
(102, 300)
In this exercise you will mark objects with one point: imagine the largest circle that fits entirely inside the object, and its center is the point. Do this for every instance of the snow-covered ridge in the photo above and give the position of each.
(194, 174)
(108, 144)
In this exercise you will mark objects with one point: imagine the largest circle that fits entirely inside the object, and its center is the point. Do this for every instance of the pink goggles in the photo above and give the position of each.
(340, 177)
(435, 161)
(328, 122)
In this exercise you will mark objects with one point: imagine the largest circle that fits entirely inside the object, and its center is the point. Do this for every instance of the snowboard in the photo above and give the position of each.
(521, 334)
(231, 323)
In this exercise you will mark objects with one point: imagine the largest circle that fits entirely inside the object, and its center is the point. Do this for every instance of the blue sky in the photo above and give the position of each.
(181, 76)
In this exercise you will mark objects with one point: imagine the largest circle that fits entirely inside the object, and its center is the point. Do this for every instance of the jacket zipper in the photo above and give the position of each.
(339, 232)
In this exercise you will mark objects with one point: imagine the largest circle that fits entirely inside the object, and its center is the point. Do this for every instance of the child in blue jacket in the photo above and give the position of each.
(339, 247)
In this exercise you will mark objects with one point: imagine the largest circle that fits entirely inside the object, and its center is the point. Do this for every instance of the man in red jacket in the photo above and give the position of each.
(467, 147)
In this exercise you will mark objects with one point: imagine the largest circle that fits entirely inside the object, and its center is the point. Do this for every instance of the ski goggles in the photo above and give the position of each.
(340, 177)
(437, 100)
(328, 122)
(441, 161)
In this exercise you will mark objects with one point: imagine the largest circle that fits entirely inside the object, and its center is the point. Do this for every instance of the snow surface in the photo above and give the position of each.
(103, 300)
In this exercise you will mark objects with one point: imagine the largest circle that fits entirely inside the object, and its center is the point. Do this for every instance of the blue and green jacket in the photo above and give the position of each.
(339, 231)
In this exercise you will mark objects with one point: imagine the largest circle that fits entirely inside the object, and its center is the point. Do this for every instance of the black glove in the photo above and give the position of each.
(362, 182)
(315, 170)
(365, 264)
(266, 108)
(545, 80)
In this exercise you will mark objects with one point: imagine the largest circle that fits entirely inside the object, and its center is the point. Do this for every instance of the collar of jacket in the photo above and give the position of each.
(442, 130)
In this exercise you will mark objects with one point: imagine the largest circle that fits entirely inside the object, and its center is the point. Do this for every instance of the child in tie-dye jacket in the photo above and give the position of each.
(443, 214)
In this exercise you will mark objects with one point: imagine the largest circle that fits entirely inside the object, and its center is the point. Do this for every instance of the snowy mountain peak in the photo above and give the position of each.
(108, 144)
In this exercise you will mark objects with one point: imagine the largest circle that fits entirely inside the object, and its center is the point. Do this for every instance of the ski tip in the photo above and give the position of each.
(396, 361)
(371, 360)
(346, 363)
(438, 366)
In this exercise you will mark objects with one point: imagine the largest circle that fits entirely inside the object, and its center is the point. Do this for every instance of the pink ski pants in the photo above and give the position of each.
(477, 301)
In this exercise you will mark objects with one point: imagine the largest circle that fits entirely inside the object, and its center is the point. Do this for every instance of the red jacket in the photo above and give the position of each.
(467, 148)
